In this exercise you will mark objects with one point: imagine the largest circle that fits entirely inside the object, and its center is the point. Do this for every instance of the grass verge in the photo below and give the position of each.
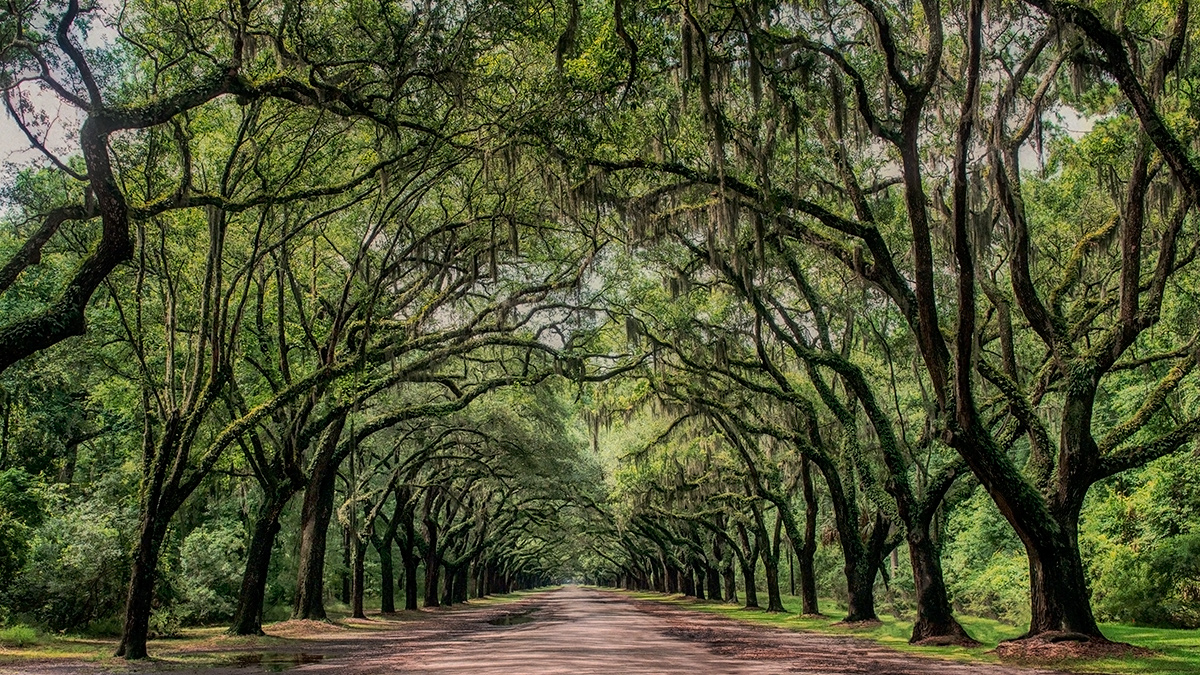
(210, 646)
(1177, 651)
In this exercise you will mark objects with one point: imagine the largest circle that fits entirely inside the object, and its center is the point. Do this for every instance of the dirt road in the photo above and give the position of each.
(568, 630)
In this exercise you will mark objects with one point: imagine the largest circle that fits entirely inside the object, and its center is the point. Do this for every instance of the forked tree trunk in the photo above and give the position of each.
(730, 578)
(861, 571)
(1058, 591)
(770, 556)
(433, 578)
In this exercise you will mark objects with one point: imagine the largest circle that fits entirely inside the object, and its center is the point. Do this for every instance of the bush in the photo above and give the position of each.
(166, 622)
(77, 569)
(210, 572)
(1158, 586)
(19, 636)
(1141, 542)
(987, 573)
(20, 512)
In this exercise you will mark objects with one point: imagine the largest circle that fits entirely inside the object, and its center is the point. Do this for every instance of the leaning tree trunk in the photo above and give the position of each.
(315, 514)
(247, 619)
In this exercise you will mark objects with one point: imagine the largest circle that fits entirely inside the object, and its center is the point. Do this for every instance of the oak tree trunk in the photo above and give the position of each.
(247, 619)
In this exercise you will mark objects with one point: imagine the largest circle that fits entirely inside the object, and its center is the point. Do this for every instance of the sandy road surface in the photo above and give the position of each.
(568, 630)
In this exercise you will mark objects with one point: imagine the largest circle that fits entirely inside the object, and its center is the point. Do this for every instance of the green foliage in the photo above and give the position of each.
(1157, 586)
(20, 512)
(19, 636)
(986, 570)
(209, 573)
(77, 567)
(1144, 545)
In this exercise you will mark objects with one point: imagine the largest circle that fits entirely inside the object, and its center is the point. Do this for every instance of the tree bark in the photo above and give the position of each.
(247, 619)
(1059, 595)
(935, 618)
(387, 571)
(315, 514)
(713, 576)
(462, 584)
(672, 578)
(433, 564)
(861, 568)
(807, 552)
(140, 598)
(410, 582)
(730, 578)
(358, 577)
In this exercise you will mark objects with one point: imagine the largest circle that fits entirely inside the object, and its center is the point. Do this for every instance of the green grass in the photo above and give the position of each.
(19, 636)
(1177, 651)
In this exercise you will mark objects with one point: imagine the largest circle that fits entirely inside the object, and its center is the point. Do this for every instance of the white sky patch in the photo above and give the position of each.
(60, 134)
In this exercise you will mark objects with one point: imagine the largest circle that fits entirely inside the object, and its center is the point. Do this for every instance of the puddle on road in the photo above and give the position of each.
(512, 619)
(273, 662)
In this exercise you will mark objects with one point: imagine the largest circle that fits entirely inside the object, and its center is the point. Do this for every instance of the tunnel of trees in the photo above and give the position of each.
(380, 306)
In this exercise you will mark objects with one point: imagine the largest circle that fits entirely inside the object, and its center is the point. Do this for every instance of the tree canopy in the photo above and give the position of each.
(309, 303)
